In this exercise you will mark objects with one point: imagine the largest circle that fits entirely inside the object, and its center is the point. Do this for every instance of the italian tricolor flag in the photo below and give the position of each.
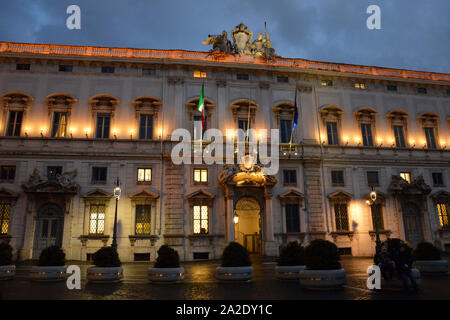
(201, 105)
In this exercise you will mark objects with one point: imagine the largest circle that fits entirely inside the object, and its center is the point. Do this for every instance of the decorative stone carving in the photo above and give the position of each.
(399, 186)
(64, 183)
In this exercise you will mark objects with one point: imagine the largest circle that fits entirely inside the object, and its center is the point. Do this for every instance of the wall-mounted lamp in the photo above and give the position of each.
(131, 133)
(380, 142)
(43, 129)
(236, 218)
(358, 141)
(26, 130)
(115, 134)
(87, 131)
(346, 139)
(412, 143)
(391, 141)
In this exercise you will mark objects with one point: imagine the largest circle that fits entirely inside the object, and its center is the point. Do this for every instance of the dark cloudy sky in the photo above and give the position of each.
(415, 34)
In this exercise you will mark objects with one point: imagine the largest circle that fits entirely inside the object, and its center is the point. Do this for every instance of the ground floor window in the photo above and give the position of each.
(443, 215)
(292, 218)
(97, 219)
(5, 210)
(341, 216)
(143, 219)
(200, 219)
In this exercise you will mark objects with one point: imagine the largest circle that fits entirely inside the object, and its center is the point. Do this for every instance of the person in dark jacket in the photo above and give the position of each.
(404, 263)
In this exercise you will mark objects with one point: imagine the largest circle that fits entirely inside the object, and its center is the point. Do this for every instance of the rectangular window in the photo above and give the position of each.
(341, 215)
(332, 133)
(282, 79)
(327, 83)
(8, 173)
(286, 130)
(59, 125)
(399, 137)
(146, 127)
(377, 216)
(148, 72)
(431, 140)
(5, 212)
(106, 69)
(406, 176)
(144, 175)
(14, 123)
(292, 218)
(201, 175)
(52, 172)
(99, 174)
(23, 66)
(372, 178)
(65, 68)
(103, 125)
(199, 74)
(360, 85)
(242, 76)
(143, 219)
(366, 132)
(391, 87)
(438, 180)
(443, 215)
(97, 219)
(422, 90)
(289, 176)
(337, 178)
(200, 219)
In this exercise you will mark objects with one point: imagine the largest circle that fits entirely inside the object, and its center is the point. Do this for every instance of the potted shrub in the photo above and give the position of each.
(236, 264)
(7, 269)
(291, 261)
(51, 265)
(323, 269)
(107, 266)
(428, 259)
(167, 266)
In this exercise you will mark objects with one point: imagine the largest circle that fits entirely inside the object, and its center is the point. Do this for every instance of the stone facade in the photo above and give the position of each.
(162, 84)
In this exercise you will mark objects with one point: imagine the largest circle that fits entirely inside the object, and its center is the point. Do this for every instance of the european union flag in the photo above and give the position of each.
(295, 112)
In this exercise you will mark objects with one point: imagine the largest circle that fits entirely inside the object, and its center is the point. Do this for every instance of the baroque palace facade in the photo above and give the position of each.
(74, 119)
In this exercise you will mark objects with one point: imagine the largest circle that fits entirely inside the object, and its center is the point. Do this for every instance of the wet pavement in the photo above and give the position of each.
(200, 284)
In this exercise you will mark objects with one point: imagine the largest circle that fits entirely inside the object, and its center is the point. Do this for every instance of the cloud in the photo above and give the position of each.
(414, 33)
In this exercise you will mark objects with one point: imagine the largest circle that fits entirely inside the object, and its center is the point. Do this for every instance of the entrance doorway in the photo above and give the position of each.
(413, 226)
(49, 228)
(248, 228)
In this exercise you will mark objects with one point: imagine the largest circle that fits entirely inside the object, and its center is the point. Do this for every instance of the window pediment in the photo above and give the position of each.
(291, 196)
(241, 108)
(147, 104)
(144, 195)
(365, 115)
(60, 102)
(441, 196)
(340, 196)
(7, 195)
(103, 103)
(200, 196)
(331, 112)
(428, 119)
(16, 100)
(97, 194)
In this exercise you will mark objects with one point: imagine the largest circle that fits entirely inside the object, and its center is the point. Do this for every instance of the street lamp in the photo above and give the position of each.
(117, 192)
(370, 202)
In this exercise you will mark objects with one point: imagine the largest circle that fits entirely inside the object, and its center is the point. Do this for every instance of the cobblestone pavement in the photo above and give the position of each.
(200, 284)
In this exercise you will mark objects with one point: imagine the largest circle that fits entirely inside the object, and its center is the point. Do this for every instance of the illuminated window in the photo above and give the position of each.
(199, 74)
(144, 175)
(292, 218)
(332, 133)
(5, 210)
(8, 173)
(14, 123)
(360, 85)
(443, 215)
(200, 219)
(143, 219)
(59, 125)
(97, 219)
(341, 216)
(377, 216)
(200, 175)
(327, 83)
(406, 176)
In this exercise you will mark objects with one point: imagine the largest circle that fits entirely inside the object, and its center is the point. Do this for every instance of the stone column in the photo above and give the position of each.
(270, 246)
(229, 216)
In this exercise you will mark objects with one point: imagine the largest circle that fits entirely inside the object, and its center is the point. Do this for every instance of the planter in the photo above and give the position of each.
(166, 274)
(7, 272)
(234, 273)
(288, 272)
(322, 279)
(104, 274)
(432, 266)
(48, 273)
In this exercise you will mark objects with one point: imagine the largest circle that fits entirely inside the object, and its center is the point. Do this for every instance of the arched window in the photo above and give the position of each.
(332, 116)
(398, 120)
(366, 119)
(103, 108)
(147, 110)
(60, 108)
(15, 104)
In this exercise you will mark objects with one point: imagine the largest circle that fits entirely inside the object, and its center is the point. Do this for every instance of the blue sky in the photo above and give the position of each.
(414, 35)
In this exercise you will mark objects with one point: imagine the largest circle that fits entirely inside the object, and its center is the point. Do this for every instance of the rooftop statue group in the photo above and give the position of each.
(242, 43)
